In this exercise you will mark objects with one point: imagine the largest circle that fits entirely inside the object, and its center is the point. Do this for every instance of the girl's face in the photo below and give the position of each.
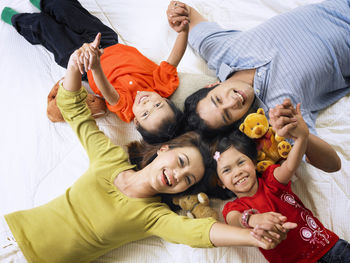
(237, 172)
(226, 103)
(150, 110)
(176, 169)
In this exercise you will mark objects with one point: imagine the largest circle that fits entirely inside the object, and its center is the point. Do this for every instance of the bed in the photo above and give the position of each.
(40, 159)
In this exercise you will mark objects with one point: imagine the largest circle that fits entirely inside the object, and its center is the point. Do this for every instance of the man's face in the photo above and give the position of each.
(226, 103)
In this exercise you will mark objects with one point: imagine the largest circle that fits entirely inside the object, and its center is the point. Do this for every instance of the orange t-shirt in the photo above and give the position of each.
(129, 71)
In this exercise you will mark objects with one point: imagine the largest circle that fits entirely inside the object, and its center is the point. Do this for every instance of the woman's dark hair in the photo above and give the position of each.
(169, 129)
(142, 153)
(241, 143)
(194, 121)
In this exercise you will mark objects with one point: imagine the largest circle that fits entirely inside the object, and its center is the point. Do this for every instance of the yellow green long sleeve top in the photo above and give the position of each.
(93, 216)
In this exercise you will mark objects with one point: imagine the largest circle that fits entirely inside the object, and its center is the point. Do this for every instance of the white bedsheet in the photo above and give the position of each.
(40, 159)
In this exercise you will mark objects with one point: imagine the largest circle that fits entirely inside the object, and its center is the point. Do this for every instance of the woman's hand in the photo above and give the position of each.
(87, 57)
(268, 236)
(178, 16)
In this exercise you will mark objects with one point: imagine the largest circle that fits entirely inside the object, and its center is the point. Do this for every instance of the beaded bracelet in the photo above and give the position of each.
(246, 215)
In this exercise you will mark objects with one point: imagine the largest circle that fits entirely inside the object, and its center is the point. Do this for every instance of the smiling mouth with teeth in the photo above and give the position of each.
(240, 96)
(241, 180)
(166, 178)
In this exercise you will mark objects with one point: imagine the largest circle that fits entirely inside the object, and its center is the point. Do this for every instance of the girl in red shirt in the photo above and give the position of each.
(269, 199)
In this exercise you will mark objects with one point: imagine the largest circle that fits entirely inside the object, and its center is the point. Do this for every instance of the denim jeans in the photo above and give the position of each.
(61, 27)
(339, 253)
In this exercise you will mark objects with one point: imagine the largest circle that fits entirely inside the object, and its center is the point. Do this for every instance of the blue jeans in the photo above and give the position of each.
(339, 253)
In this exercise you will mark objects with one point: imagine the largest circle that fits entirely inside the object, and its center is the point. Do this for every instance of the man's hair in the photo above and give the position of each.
(169, 128)
(194, 121)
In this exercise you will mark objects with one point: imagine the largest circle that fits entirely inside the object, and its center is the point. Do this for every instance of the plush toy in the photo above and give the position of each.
(96, 105)
(271, 147)
(196, 206)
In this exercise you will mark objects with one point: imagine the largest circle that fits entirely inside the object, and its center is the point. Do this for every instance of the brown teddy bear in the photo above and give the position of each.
(271, 147)
(96, 105)
(196, 206)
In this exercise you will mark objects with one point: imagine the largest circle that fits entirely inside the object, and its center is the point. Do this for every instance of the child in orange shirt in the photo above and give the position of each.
(133, 86)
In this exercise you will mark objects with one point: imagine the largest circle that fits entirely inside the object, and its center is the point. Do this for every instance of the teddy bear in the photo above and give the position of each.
(96, 105)
(271, 147)
(196, 206)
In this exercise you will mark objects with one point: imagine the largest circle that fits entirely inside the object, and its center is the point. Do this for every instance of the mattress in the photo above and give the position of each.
(40, 159)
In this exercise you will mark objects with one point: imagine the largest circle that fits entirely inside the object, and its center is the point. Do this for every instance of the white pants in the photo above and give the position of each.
(9, 250)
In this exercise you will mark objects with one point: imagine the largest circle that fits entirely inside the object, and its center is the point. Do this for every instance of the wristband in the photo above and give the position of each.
(246, 215)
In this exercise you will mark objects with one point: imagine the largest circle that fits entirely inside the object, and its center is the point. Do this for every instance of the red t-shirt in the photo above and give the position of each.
(308, 242)
(129, 71)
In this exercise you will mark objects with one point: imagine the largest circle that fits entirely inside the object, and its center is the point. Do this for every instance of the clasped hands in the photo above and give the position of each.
(178, 16)
(87, 57)
(269, 229)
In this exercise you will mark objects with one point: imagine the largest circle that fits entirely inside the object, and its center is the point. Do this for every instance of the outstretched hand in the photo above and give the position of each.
(178, 16)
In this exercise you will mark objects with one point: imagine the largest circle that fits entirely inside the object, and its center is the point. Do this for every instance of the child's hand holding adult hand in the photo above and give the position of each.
(269, 218)
(178, 16)
(268, 237)
(301, 129)
(89, 54)
(282, 118)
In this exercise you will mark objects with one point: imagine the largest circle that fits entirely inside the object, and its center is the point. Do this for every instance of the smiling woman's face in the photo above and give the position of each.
(176, 169)
(226, 103)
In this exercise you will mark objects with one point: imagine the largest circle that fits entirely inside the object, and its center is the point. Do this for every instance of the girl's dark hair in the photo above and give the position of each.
(238, 140)
(194, 121)
(169, 129)
(241, 143)
(142, 153)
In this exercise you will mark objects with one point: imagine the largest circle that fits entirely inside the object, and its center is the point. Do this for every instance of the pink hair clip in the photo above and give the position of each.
(216, 156)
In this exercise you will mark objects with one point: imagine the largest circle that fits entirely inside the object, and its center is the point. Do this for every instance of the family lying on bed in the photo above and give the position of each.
(258, 68)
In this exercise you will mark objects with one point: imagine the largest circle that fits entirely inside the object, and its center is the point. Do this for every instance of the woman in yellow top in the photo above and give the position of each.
(112, 203)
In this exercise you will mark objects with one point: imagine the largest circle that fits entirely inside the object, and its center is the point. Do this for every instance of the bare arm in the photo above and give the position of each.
(318, 152)
(179, 48)
(226, 235)
(106, 88)
(321, 155)
(301, 133)
(271, 222)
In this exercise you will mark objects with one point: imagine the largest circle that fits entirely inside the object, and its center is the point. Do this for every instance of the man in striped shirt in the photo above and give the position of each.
(302, 55)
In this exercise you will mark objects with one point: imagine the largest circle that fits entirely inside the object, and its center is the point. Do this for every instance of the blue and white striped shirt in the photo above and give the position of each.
(303, 55)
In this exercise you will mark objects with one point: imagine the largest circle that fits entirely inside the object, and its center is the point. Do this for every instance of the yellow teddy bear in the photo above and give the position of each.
(271, 147)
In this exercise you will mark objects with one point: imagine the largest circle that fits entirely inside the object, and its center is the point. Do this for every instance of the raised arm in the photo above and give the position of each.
(102, 83)
(180, 45)
(300, 134)
(318, 152)
(71, 100)
(179, 48)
